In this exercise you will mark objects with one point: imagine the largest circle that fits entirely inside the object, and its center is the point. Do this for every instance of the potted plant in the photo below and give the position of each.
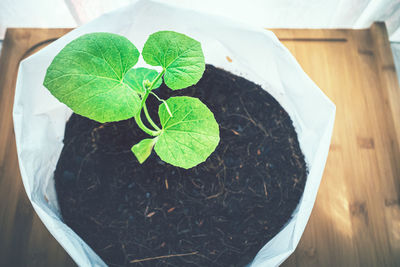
(94, 75)
(204, 174)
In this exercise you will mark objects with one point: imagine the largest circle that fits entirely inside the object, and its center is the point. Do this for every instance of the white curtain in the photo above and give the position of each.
(264, 13)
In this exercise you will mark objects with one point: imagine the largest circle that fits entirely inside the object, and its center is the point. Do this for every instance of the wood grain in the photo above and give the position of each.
(356, 218)
(24, 240)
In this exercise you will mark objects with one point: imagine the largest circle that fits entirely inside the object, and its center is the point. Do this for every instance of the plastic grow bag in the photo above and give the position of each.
(39, 119)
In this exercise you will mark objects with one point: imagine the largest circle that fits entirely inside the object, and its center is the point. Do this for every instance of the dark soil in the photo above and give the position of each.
(220, 213)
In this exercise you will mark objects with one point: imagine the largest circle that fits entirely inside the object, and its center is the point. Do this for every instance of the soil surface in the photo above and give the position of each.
(220, 213)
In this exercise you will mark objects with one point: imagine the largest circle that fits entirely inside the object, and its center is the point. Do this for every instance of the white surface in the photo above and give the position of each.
(39, 119)
(275, 14)
(41, 13)
(260, 13)
(396, 57)
(265, 13)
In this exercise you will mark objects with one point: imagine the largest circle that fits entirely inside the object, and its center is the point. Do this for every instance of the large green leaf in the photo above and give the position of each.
(190, 135)
(135, 77)
(88, 76)
(180, 56)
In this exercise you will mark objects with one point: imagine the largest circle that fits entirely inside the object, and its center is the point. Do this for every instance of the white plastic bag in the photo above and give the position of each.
(39, 119)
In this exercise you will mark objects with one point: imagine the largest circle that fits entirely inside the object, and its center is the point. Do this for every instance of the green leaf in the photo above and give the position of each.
(142, 150)
(135, 77)
(180, 56)
(88, 76)
(190, 135)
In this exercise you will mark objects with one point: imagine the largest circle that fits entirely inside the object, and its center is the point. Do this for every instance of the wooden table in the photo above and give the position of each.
(356, 218)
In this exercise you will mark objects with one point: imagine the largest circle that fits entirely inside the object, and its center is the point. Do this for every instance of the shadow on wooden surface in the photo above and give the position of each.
(356, 218)
(24, 240)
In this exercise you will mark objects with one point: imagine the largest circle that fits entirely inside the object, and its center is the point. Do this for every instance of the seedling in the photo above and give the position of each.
(94, 76)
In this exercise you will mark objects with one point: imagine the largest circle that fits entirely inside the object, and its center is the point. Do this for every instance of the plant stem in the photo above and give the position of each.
(138, 119)
(156, 79)
(165, 103)
(144, 128)
(146, 112)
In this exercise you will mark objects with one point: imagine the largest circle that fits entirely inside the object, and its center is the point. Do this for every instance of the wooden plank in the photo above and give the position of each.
(317, 35)
(356, 218)
(24, 239)
(355, 221)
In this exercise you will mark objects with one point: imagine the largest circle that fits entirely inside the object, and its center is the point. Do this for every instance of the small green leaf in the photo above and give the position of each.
(190, 135)
(142, 150)
(180, 56)
(88, 76)
(135, 77)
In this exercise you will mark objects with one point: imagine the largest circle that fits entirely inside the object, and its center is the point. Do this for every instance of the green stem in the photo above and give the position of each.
(165, 103)
(146, 112)
(138, 119)
(156, 79)
(144, 128)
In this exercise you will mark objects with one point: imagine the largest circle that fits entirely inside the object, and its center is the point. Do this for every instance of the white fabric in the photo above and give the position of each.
(261, 13)
(396, 57)
(275, 14)
(41, 13)
(39, 119)
(265, 13)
